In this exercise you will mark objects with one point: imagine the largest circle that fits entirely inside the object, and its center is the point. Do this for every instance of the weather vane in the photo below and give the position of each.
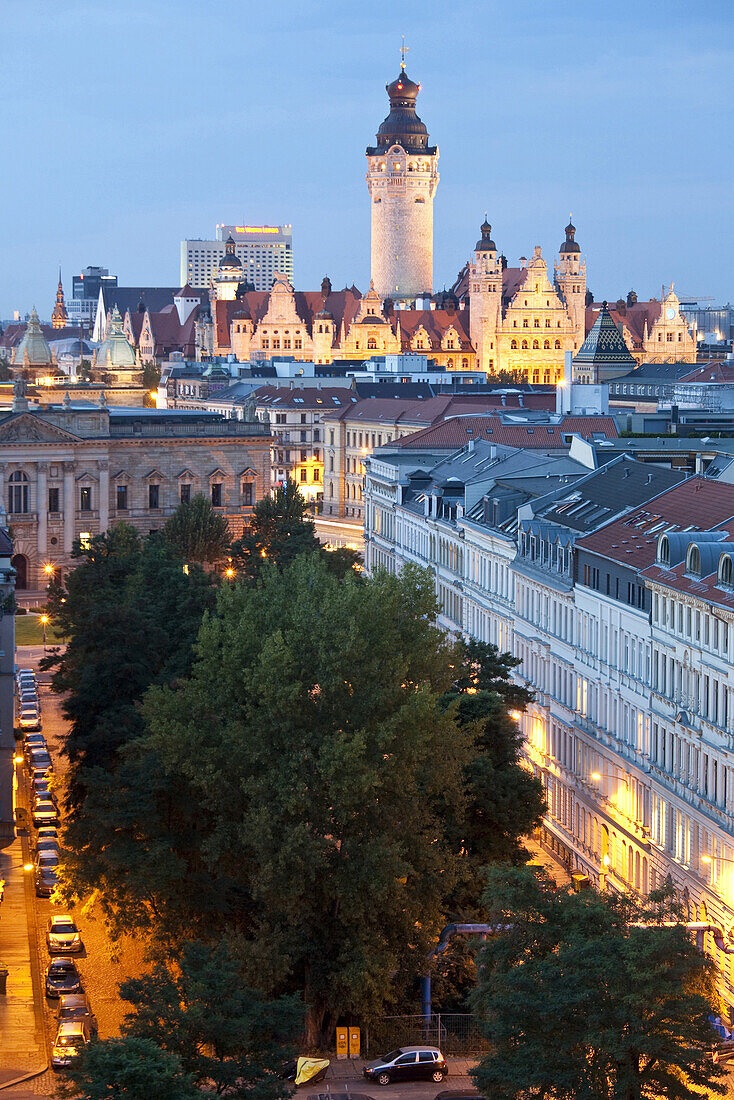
(403, 50)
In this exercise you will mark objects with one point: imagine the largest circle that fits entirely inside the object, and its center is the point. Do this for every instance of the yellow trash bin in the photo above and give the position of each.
(354, 1042)
(342, 1043)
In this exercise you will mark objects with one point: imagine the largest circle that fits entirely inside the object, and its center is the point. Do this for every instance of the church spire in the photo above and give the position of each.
(59, 317)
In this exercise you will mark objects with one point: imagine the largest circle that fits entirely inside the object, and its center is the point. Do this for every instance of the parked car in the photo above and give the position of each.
(45, 880)
(33, 741)
(408, 1064)
(41, 790)
(29, 718)
(62, 976)
(45, 813)
(62, 934)
(76, 1006)
(71, 1038)
(47, 844)
(29, 698)
(48, 832)
(39, 758)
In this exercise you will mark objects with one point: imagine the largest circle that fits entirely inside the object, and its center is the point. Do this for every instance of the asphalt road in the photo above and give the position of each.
(102, 964)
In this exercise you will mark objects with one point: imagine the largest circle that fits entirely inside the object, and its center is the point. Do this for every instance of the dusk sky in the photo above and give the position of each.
(130, 126)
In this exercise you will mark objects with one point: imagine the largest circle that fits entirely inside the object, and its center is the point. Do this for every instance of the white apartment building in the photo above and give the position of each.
(264, 251)
(616, 590)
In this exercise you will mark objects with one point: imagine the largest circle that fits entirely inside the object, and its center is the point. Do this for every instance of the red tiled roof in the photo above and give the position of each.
(399, 410)
(306, 397)
(699, 504)
(436, 322)
(631, 317)
(715, 371)
(170, 335)
(455, 432)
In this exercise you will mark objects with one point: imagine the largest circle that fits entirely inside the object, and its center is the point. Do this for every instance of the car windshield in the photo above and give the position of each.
(69, 1040)
(392, 1055)
(59, 970)
(64, 929)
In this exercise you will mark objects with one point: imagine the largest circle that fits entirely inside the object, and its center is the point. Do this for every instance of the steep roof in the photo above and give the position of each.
(632, 317)
(696, 504)
(153, 298)
(604, 344)
(436, 323)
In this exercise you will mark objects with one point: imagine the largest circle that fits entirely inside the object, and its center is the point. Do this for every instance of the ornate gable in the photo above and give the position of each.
(30, 428)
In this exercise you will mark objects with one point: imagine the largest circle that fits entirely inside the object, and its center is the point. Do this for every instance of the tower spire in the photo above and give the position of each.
(403, 50)
(59, 317)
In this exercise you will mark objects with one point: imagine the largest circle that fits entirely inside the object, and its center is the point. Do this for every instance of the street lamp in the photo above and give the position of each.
(44, 620)
(598, 776)
(48, 569)
(716, 859)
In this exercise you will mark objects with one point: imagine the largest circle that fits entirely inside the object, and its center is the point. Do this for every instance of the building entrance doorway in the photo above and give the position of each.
(19, 563)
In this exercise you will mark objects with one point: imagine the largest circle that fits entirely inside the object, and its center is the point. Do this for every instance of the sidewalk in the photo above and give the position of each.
(340, 1070)
(23, 1047)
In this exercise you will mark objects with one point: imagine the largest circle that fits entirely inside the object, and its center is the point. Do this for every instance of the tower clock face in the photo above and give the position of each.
(670, 313)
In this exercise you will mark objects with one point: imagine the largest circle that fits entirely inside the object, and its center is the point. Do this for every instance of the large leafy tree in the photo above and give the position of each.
(505, 802)
(592, 996)
(197, 533)
(281, 529)
(228, 1037)
(311, 731)
(132, 616)
(128, 1069)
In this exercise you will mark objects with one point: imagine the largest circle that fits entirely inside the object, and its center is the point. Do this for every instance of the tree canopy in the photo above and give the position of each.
(197, 533)
(127, 1069)
(228, 1037)
(592, 996)
(281, 529)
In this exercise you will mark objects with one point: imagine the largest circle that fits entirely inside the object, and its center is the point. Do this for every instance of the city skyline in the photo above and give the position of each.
(145, 135)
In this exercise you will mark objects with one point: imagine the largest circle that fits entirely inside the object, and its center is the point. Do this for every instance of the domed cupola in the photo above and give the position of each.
(485, 244)
(230, 260)
(403, 126)
(570, 245)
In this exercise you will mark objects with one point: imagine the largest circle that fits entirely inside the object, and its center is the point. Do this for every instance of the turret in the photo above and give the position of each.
(485, 298)
(402, 177)
(570, 279)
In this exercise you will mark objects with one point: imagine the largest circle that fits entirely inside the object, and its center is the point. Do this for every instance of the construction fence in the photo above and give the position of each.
(455, 1033)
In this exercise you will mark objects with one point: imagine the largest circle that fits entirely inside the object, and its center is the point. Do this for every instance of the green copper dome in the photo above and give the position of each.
(116, 351)
(33, 349)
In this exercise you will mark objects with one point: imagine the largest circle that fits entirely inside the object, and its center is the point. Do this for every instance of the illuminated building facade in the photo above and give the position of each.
(616, 591)
(402, 177)
(263, 252)
(70, 471)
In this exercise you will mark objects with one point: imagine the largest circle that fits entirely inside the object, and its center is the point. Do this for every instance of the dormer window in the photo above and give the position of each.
(693, 561)
(726, 571)
(664, 551)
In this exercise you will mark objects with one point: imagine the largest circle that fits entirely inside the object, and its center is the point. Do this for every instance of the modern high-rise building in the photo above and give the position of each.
(82, 306)
(264, 251)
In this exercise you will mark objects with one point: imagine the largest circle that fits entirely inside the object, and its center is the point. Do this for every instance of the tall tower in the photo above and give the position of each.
(59, 317)
(485, 299)
(402, 177)
(571, 282)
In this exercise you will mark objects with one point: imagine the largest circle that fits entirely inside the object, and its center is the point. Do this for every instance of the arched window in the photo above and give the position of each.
(513, 345)
(372, 344)
(524, 345)
(546, 344)
(18, 492)
(465, 363)
(536, 345)
(558, 344)
(726, 571)
(693, 564)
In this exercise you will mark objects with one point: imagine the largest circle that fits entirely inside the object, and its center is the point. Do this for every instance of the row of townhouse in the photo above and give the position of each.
(615, 587)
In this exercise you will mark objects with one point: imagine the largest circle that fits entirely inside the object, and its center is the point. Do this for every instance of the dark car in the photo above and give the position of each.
(33, 742)
(45, 879)
(62, 976)
(75, 1006)
(39, 758)
(408, 1064)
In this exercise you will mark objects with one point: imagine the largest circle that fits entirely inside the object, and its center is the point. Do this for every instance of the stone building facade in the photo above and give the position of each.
(69, 473)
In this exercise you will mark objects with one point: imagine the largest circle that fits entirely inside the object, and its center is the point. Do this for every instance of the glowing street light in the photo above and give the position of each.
(44, 621)
(598, 776)
(48, 569)
(229, 572)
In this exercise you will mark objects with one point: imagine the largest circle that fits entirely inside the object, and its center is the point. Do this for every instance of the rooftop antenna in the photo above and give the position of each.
(403, 50)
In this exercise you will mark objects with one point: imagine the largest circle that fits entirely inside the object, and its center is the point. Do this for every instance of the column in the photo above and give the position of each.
(68, 506)
(104, 496)
(3, 501)
(42, 511)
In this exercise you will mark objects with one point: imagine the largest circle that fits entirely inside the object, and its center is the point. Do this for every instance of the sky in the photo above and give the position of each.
(128, 127)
